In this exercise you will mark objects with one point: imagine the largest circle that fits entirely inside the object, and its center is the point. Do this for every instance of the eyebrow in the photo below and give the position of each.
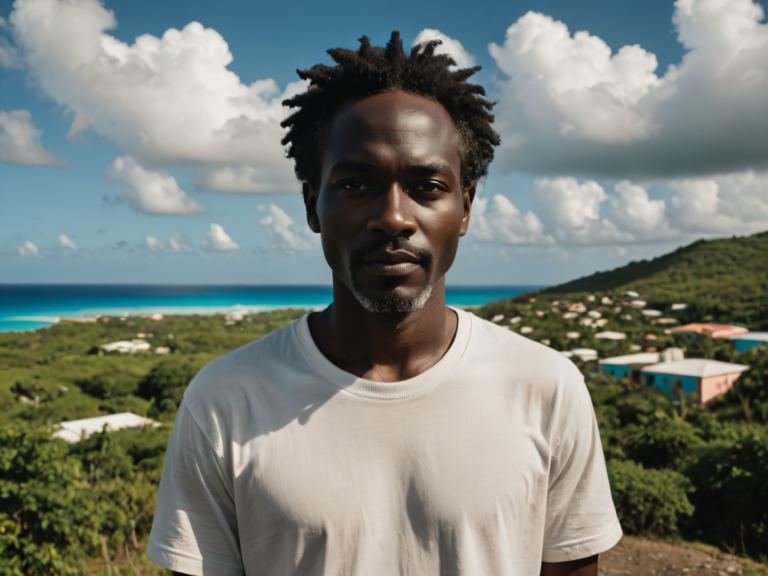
(423, 169)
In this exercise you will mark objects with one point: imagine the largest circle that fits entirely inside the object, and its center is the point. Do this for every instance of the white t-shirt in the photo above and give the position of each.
(485, 464)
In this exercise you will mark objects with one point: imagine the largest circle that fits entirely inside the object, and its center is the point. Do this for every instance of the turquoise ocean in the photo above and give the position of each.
(28, 307)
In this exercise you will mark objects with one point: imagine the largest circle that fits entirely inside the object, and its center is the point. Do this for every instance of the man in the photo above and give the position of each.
(387, 434)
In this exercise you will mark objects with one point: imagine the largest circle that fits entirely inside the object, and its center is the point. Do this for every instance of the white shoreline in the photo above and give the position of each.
(88, 315)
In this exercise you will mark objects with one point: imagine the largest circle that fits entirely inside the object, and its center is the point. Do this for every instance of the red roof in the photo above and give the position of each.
(711, 329)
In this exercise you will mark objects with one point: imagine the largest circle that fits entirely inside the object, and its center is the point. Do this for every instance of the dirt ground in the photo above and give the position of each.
(638, 557)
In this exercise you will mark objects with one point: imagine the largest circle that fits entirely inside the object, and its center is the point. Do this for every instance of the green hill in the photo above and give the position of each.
(724, 280)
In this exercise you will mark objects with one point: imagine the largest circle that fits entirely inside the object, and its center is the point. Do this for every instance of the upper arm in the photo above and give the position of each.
(580, 520)
(581, 567)
(194, 530)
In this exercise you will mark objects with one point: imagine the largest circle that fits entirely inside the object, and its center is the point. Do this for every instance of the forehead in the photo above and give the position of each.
(394, 126)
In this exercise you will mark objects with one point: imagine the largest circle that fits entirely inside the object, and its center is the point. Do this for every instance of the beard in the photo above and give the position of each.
(391, 303)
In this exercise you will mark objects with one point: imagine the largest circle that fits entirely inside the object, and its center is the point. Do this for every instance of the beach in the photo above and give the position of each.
(29, 307)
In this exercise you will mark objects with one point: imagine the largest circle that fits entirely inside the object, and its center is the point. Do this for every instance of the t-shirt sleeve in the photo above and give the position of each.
(194, 530)
(581, 519)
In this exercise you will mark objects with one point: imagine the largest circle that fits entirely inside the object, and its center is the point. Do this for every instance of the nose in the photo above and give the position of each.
(392, 214)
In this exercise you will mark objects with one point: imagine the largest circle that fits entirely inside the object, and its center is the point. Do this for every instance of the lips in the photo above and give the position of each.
(391, 257)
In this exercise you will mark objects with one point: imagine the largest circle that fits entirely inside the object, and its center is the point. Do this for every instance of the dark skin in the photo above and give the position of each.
(391, 180)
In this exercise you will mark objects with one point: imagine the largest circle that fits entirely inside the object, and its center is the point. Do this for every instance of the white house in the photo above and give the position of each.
(126, 346)
(76, 430)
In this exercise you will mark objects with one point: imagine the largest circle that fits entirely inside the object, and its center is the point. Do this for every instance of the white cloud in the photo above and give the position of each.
(178, 243)
(267, 179)
(151, 192)
(571, 211)
(67, 242)
(728, 204)
(450, 46)
(29, 248)
(286, 235)
(218, 240)
(166, 101)
(635, 212)
(20, 140)
(9, 57)
(152, 243)
(503, 222)
(571, 105)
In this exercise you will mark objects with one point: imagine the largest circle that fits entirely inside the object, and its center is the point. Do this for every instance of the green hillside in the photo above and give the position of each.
(725, 280)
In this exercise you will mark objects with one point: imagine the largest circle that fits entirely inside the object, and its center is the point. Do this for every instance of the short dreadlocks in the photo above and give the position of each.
(371, 70)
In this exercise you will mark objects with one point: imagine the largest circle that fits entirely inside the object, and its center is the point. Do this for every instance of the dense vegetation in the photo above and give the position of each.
(79, 508)
(724, 279)
(677, 470)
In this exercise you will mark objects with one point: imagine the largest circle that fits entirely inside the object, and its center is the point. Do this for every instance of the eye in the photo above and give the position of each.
(428, 188)
(353, 185)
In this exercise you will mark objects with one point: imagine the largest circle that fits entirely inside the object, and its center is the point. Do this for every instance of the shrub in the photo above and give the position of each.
(648, 502)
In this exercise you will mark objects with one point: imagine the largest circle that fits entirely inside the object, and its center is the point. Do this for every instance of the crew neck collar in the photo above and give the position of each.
(372, 389)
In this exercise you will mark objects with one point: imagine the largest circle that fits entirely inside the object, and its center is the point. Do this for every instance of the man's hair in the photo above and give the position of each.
(371, 70)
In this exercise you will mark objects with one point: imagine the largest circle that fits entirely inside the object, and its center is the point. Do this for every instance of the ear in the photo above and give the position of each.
(468, 195)
(310, 204)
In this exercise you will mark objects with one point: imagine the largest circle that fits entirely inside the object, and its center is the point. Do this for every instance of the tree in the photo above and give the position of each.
(649, 502)
(43, 499)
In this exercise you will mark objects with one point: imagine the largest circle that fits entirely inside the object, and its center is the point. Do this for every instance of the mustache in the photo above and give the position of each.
(358, 255)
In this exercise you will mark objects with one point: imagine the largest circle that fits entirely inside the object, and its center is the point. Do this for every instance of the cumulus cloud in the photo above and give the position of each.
(286, 235)
(570, 212)
(29, 248)
(498, 220)
(635, 212)
(450, 46)
(20, 140)
(152, 243)
(8, 54)
(218, 240)
(728, 204)
(149, 191)
(571, 105)
(178, 243)
(164, 100)
(67, 242)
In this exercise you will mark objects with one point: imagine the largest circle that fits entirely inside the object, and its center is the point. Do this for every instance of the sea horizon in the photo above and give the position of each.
(28, 306)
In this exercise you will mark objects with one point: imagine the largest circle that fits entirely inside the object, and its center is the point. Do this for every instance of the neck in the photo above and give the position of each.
(383, 347)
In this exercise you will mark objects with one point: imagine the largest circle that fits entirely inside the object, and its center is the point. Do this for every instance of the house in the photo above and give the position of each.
(126, 346)
(610, 335)
(706, 379)
(584, 354)
(76, 430)
(749, 340)
(628, 364)
(709, 329)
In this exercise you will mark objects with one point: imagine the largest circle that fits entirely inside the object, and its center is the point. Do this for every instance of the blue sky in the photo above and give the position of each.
(136, 146)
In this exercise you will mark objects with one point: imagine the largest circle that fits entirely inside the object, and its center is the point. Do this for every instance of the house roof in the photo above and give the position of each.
(754, 336)
(609, 335)
(75, 430)
(710, 329)
(699, 367)
(639, 358)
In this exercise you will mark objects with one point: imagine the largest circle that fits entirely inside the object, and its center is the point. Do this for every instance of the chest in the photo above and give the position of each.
(365, 471)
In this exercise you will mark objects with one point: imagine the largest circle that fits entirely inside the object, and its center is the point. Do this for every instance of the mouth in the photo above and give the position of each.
(391, 262)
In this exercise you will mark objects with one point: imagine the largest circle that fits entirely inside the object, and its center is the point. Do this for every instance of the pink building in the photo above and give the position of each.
(710, 329)
(707, 379)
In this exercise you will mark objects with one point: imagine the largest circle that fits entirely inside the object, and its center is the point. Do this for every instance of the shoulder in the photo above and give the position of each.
(536, 375)
(227, 388)
(524, 356)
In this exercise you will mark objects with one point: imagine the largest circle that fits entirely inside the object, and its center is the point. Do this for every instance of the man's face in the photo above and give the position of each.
(389, 204)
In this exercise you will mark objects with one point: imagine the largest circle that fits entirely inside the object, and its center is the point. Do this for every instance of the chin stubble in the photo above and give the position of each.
(391, 303)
